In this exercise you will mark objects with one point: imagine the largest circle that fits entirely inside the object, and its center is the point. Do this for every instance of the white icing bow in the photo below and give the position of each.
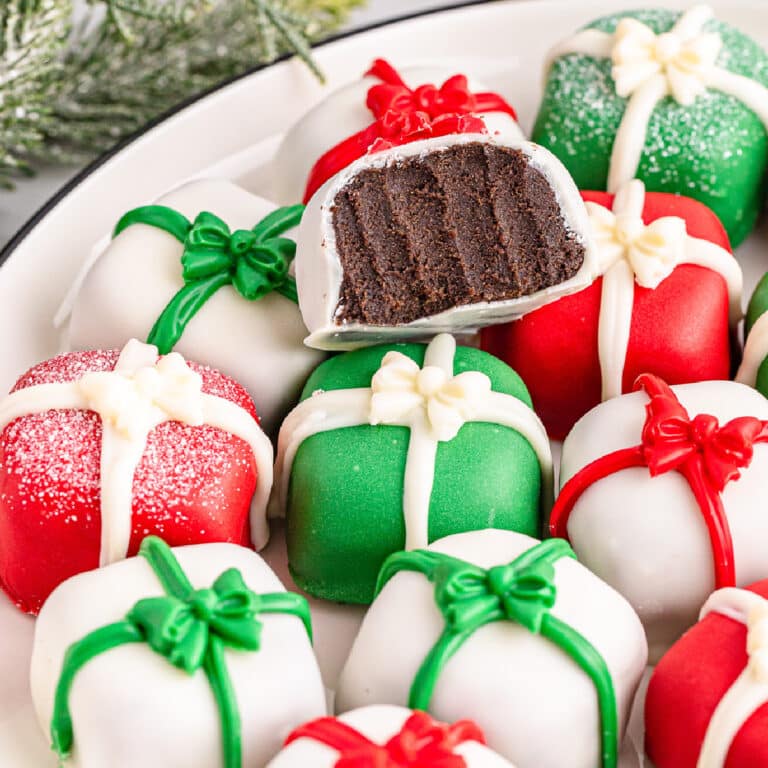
(652, 251)
(757, 641)
(401, 390)
(684, 56)
(134, 402)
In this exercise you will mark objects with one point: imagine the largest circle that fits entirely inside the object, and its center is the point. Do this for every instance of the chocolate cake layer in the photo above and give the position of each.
(474, 222)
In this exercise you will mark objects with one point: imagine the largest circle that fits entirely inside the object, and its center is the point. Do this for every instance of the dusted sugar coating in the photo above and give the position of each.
(345, 501)
(471, 223)
(688, 684)
(715, 150)
(193, 484)
(679, 330)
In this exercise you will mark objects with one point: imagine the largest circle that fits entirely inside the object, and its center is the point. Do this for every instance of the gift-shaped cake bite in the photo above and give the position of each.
(511, 632)
(205, 272)
(395, 446)
(194, 657)
(707, 702)
(668, 294)
(425, 223)
(753, 370)
(661, 494)
(678, 100)
(101, 448)
(392, 737)
(384, 107)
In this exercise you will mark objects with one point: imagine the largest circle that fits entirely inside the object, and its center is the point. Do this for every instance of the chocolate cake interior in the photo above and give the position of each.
(469, 223)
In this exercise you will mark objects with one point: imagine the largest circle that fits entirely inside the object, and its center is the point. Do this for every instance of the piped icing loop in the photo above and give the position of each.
(652, 251)
(749, 691)
(708, 456)
(401, 391)
(133, 402)
(402, 115)
(140, 393)
(470, 597)
(684, 57)
(422, 742)
(757, 641)
(633, 252)
(681, 63)
(191, 629)
(181, 629)
(254, 262)
(432, 402)
(522, 592)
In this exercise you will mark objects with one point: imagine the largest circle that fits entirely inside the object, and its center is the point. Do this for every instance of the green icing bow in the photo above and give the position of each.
(523, 592)
(191, 629)
(254, 261)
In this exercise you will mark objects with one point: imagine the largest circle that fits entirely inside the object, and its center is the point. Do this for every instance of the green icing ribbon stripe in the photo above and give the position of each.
(191, 629)
(254, 261)
(523, 592)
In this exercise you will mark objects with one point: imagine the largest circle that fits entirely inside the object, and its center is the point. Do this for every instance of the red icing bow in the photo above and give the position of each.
(403, 115)
(707, 455)
(421, 743)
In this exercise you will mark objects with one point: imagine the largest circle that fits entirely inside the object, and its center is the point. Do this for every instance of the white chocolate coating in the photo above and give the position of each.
(319, 272)
(379, 724)
(343, 113)
(646, 536)
(755, 351)
(535, 705)
(259, 343)
(131, 708)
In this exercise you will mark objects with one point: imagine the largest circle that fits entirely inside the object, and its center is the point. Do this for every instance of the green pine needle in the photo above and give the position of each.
(67, 94)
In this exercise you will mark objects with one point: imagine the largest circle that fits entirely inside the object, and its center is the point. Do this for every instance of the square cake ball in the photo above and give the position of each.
(205, 271)
(389, 737)
(510, 632)
(395, 446)
(667, 302)
(101, 448)
(661, 495)
(707, 702)
(194, 657)
(678, 100)
(439, 235)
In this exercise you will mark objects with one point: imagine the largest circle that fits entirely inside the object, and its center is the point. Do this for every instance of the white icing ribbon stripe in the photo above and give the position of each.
(140, 393)
(755, 351)
(750, 690)
(648, 67)
(433, 403)
(632, 252)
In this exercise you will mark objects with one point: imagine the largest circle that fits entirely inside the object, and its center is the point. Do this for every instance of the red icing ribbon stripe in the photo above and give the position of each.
(403, 115)
(421, 743)
(707, 455)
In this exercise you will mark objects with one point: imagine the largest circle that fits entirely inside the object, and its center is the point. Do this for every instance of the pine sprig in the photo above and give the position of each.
(32, 38)
(129, 61)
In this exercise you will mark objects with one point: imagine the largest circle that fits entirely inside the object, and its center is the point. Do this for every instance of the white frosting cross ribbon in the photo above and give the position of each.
(647, 67)
(433, 403)
(141, 392)
(750, 690)
(632, 252)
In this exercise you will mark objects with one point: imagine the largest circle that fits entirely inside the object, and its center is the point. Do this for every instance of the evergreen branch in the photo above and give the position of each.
(67, 94)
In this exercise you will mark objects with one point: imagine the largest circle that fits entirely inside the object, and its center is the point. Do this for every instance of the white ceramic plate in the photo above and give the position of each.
(232, 133)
